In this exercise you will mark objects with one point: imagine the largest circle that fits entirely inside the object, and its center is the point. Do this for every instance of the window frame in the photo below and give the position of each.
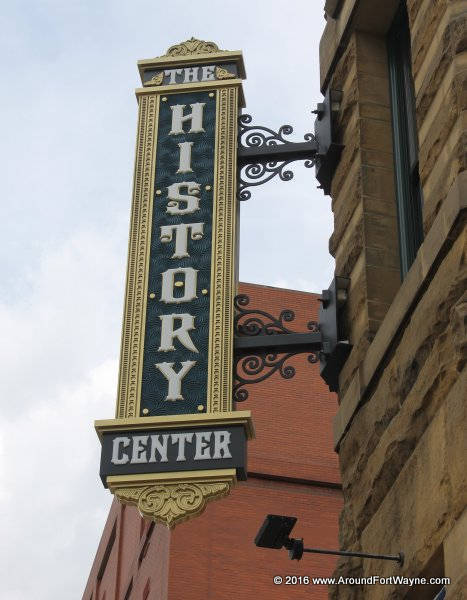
(405, 139)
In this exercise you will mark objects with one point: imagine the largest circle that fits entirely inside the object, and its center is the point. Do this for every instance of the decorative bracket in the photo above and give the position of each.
(264, 153)
(263, 344)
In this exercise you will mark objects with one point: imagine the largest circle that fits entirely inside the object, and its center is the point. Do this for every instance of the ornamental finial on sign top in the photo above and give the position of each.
(192, 46)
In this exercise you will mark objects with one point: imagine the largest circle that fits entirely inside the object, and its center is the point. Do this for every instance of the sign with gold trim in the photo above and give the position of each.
(176, 442)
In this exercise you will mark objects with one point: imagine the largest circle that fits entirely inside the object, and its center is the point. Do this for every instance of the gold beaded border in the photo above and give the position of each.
(224, 254)
(134, 314)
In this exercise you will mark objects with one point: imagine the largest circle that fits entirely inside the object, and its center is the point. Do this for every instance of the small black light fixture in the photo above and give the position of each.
(275, 533)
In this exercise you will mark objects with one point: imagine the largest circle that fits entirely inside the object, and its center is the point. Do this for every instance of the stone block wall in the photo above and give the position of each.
(364, 241)
(401, 429)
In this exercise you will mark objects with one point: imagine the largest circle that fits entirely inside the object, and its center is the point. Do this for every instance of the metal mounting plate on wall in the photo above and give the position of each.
(335, 348)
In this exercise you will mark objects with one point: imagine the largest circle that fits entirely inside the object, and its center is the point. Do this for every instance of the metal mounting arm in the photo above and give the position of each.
(296, 550)
(284, 342)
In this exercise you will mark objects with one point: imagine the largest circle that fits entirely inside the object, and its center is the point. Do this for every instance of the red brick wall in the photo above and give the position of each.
(293, 470)
(135, 559)
(213, 557)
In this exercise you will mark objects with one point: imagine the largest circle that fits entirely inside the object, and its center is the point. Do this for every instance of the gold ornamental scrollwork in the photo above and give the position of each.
(172, 503)
(156, 79)
(192, 46)
(222, 73)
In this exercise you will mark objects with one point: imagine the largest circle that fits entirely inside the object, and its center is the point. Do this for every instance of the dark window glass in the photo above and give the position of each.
(129, 590)
(405, 141)
(108, 550)
(145, 547)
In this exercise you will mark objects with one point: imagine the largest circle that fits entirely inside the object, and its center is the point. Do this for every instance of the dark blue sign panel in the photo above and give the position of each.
(175, 360)
(174, 450)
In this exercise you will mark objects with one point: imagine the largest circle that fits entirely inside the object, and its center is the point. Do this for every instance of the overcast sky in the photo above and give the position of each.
(68, 123)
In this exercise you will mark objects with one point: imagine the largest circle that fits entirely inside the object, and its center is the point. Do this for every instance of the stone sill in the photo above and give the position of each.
(438, 241)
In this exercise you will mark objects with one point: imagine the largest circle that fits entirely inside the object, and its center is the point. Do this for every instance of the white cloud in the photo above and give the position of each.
(53, 505)
(60, 373)
(66, 323)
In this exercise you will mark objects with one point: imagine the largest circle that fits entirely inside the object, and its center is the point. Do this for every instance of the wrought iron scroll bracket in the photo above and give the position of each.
(264, 153)
(264, 344)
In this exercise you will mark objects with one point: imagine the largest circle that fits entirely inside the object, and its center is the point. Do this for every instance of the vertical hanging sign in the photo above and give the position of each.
(176, 442)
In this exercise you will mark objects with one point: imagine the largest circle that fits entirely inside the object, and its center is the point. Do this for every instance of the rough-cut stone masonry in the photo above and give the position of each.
(401, 429)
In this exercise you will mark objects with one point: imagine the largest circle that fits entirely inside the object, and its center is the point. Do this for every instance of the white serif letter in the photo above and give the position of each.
(181, 236)
(118, 456)
(189, 285)
(175, 379)
(175, 197)
(196, 118)
(184, 164)
(169, 333)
